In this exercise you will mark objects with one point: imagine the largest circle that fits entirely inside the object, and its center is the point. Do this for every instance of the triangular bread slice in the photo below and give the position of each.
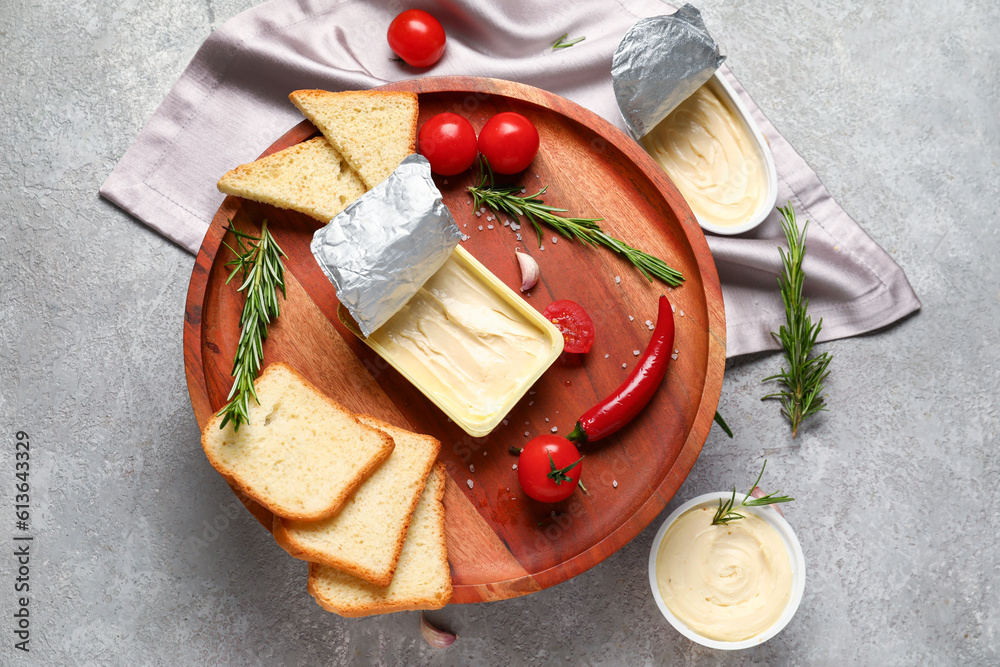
(311, 177)
(366, 536)
(373, 130)
(301, 455)
(422, 579)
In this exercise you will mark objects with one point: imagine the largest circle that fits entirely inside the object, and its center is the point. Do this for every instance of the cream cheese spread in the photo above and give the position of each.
(726, 582)
(711, 157)
(462, 342)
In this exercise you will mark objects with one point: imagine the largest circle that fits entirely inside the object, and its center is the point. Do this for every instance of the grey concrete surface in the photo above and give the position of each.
(893, 103)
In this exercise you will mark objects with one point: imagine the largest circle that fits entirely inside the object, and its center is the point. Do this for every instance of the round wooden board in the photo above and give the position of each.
(500, 543)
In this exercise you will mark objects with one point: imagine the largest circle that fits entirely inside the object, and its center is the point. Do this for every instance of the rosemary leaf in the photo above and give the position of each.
(561, 44)
(803, 378)
(258, 261)
(507, 199)
(726, 513)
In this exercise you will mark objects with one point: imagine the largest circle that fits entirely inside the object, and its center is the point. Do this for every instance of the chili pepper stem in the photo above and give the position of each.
(578, 436)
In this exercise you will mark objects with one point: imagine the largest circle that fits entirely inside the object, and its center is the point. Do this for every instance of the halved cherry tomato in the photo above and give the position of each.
(574, 323)
(448, 141)
(417, 38)
(549, 468)
(509, 141)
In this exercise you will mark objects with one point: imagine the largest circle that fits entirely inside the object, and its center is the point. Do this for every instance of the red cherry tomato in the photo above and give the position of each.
(549, 468)
(448, 141)
(574, 323)
(509, 141)
(417, 38)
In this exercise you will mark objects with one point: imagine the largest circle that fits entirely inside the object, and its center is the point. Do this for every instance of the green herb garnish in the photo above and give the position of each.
(805, 375)
(726, 513)
(722, 424)
(259, 261)
(560, 44)
(507, 199)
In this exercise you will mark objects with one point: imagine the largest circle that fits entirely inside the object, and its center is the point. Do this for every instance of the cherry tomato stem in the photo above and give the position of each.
(631, 397)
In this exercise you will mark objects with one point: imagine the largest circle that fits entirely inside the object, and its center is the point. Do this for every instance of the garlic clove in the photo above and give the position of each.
(435, 637)
(529, 270)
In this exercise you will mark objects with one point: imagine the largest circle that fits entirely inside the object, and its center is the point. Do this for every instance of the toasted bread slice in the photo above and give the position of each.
(422, 579)
(302, 454)
(366, 537)
(311, 177)
(373, 130)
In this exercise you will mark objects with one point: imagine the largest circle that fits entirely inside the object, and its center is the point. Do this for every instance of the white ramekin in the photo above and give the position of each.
(795, 557)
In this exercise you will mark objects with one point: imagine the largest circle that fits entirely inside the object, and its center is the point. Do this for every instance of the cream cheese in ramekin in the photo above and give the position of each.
(710, 155)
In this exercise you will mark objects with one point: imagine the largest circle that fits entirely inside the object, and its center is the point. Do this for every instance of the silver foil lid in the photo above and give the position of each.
(659, 63)
(384, 246)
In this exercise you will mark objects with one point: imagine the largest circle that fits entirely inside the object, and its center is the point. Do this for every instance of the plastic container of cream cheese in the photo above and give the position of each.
(718, 158)
(726, 587)
(468, 342)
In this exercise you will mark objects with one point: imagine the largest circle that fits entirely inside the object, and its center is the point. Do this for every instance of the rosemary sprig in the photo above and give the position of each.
(726, 513)
(805, 375)
(507, 199)
(259, 262)
(560, 44)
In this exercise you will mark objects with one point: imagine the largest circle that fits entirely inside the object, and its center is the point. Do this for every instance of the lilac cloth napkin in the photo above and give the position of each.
(232, 102)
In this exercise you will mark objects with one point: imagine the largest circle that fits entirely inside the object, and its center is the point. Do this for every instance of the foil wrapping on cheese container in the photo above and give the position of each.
(659, 63)
(384, 246)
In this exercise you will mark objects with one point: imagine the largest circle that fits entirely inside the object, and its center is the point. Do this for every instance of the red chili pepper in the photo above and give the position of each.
(629, 399)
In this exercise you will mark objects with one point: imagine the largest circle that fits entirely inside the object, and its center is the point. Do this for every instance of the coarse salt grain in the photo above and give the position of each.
(546, 420)
(489, 226)
(525, 434)
(469, 482)
(635, 353)
(618, 279)
(482, 209)
(682, 313)
(674, 357)
(614, 483)
(631, 319)
(623, 365)
(673, 308)
(531, 392)
(472, 468)
(513, 467)
(606, 356)
(530, 403)
(555, 429)
(555, 240)
(478, 214)
(648, 322)
(504, 422)
(518, 237)
(541, 247)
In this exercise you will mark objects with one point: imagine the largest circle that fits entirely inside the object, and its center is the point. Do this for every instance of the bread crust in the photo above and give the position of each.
(387, 607)
(337, 501)
(318, 96)
(379, 577)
